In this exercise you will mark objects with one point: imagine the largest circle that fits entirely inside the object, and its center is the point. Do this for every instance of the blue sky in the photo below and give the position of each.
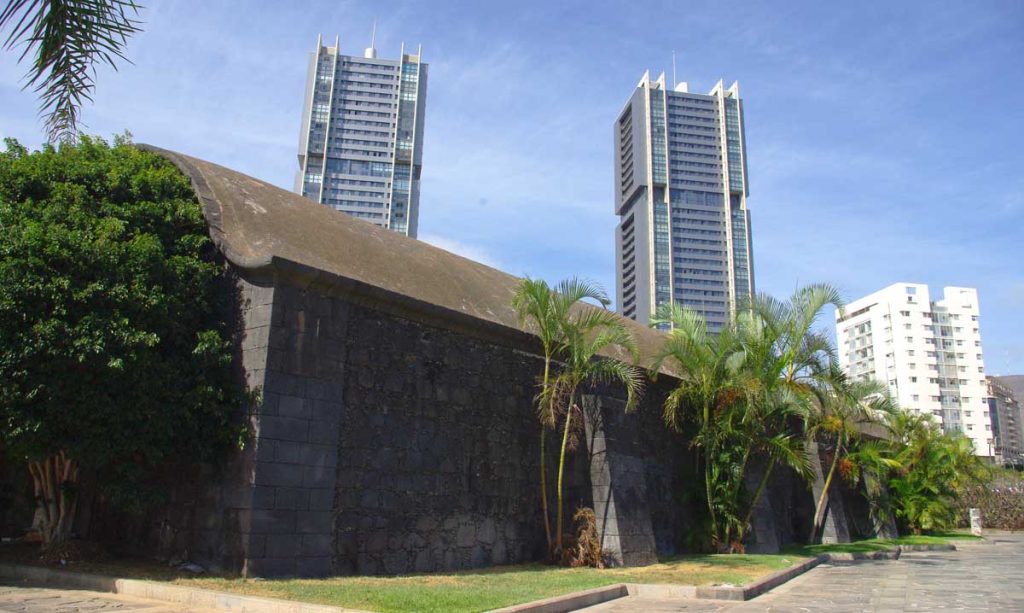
(884, 139)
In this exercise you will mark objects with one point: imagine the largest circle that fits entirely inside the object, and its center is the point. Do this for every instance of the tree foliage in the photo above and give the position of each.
(545, 310)
(67, 38)
(572, 335)
(114, 345)
(751, 388)
(928, 471)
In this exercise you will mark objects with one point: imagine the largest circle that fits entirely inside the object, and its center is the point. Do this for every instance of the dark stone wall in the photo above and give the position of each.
(388, 443)
(792, 505)
(438, 453)
(391, 439)
(209, 515)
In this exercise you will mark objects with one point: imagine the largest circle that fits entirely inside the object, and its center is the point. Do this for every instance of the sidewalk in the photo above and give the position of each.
(986, 576)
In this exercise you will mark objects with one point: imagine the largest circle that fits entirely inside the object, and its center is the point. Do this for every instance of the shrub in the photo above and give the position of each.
(114, 343)
(585, 548)
(1001, 503)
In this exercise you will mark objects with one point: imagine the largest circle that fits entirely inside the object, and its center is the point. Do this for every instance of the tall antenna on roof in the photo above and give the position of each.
(371, 51)
(673, 70)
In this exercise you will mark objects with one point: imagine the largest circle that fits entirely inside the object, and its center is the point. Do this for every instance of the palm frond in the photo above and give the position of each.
(68, 37)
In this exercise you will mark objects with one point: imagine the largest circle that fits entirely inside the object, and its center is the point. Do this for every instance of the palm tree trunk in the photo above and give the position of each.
(543, 469)
(757, 496)
(707, 479)
(544, 487)
(561, 472)
(819, 510)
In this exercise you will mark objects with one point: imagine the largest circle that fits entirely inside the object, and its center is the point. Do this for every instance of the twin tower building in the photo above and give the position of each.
(680, 175)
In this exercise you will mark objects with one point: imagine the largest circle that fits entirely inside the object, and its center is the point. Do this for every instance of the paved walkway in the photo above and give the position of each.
(19, 599)
(978, 577)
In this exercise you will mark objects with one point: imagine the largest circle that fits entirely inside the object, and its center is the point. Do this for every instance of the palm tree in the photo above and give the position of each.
(68, 39)
(751, 385)
(847, 407)
(588, 331)
(932, 468)
(791, 363)
(706, 365)
(544, 311)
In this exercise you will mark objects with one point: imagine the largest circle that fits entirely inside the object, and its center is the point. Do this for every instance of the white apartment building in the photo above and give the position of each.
(928, 351)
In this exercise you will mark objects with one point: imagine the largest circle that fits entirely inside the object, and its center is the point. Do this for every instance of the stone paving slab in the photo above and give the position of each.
(21, 599)
(985, 576)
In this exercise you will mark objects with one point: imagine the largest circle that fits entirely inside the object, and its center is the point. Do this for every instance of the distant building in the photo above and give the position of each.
(361, 143)
(1005, 413)
(681, 198)
(928, 352)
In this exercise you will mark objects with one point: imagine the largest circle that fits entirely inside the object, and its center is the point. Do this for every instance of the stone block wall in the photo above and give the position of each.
(387, 443)
(438, 456)
(209, 515)
(391, 440)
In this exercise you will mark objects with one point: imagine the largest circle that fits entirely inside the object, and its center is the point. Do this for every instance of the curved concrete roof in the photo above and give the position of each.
(262, 228)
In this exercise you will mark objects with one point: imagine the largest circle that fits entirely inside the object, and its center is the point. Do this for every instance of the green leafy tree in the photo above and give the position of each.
(66, 39)
(545, 310)
(790, 364)
(586, 332)
(847, 407)
(750, 389)
(114, 346)
(709, 393)
(934, 467)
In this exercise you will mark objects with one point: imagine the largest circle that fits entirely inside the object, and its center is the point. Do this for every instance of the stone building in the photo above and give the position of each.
(396, 431)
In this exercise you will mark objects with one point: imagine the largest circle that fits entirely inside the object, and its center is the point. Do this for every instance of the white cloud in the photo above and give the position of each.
(466, 250)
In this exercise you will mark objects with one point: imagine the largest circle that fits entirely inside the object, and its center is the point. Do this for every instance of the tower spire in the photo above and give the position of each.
(371, 51)
(674, 70)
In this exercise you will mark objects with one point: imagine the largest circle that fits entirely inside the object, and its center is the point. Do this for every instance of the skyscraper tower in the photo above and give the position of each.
(681, 198)
(361, 144)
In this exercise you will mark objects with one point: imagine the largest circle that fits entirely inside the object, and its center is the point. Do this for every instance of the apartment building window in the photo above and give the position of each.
(905, 313)
(913, 379)
(916, 397)
(910, 339)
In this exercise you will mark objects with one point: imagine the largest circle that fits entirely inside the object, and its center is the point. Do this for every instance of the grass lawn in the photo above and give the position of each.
(871, 545)
(492, 588)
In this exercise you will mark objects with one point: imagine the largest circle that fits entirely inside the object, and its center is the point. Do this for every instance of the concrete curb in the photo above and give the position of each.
(569, 602)
(884, 554)
(946, 547)
(152, 590)
(756, 588)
